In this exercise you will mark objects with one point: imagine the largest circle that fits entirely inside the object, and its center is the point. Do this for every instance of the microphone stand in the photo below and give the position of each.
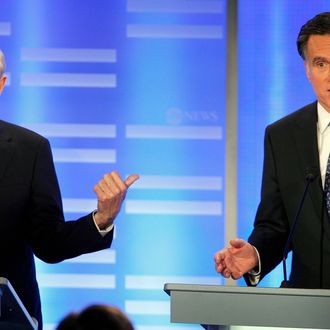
(309, 178)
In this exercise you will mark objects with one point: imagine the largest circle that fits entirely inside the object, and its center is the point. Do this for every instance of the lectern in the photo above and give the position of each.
(13, 315)
(218, 307)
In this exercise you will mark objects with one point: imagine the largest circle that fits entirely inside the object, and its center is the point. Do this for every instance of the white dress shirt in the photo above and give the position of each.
(103, 232)
(323, 138)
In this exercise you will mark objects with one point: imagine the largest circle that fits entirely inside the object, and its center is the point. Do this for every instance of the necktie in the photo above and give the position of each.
(327, 187)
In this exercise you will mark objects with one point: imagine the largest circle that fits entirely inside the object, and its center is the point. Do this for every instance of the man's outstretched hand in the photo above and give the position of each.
(238, 258)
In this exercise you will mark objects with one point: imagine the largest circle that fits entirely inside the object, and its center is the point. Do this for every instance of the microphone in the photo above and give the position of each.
(310, 175)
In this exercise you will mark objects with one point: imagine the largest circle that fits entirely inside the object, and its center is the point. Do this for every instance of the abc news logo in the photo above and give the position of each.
(176, 116)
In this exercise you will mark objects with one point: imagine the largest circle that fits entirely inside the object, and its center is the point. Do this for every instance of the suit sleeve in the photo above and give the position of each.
(52, 239)
(271, 224)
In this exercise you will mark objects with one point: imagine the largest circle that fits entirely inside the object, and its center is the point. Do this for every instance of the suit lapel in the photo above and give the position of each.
(6, 149)
(305, 134)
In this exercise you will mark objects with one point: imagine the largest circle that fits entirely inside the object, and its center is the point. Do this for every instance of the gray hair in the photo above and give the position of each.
(2, 63)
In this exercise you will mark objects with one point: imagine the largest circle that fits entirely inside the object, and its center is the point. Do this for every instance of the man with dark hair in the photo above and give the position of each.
(295, 146)
(100, 317)
(32, 221)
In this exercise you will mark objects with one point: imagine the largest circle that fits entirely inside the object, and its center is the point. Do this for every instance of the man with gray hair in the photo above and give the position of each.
(31, 214)
(2, 70)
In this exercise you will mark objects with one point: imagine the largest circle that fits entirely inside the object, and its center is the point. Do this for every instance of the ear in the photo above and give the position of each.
(307, 70)
(2, 83)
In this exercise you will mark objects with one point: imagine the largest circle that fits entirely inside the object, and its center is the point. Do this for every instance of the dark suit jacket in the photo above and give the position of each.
(291, 151)
(31, 216)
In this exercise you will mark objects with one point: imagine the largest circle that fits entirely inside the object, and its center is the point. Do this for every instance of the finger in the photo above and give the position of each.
(118, 181)
(220, 255)
(101, 196)
(220, 268)
(226, 273)
(108, 186)
(113, 185)
(131, 179)
(236, 275)
(220, 262)
(237, 243)
(217, 257)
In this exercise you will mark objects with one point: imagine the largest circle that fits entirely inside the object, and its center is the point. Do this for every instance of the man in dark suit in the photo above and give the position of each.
(295, 146)
(31, 215)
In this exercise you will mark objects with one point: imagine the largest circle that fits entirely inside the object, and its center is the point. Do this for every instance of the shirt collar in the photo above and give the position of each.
(323, 118)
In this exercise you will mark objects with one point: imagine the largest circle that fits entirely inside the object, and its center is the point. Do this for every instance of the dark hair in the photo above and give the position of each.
(70, 322)
(100, 317)
(320, 24)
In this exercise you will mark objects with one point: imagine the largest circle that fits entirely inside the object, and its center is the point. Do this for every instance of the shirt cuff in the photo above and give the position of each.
(254, 274)
(102, 232)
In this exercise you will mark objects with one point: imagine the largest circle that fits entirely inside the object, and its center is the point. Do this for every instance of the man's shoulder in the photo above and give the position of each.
(306, 114)
(19, 133)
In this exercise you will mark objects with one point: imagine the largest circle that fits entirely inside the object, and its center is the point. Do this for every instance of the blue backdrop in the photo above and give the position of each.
(139, 86)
